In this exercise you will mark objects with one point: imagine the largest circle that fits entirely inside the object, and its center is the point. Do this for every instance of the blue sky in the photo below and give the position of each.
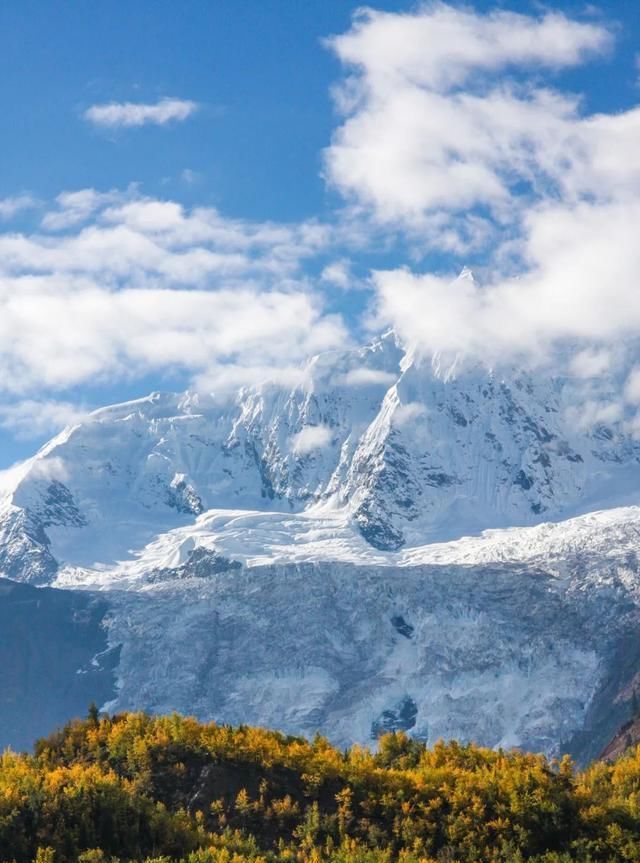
(253, 149)
(259, 69)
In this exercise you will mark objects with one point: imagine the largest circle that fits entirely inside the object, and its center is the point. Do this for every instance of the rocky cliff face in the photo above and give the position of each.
(294, 557)
(627, 737)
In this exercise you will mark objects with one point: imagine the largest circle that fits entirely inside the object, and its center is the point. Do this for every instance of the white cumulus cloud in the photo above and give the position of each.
(130, 285)
(434, 127)
(452, 132)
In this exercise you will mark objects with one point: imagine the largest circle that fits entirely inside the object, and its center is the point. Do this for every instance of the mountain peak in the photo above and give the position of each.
(466, 275)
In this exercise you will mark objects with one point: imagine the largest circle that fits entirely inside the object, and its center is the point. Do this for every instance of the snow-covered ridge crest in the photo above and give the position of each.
(409, 451)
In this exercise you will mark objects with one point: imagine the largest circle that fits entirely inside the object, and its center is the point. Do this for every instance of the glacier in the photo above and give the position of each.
(450, 552)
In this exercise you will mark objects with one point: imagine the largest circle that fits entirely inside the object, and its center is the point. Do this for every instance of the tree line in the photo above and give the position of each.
(133, 787)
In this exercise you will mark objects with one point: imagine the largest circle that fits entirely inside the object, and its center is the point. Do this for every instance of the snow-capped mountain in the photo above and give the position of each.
(295, 557)
(409, 451)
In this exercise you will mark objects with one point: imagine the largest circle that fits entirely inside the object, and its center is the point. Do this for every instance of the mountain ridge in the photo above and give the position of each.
(410, 453)
(254, 551)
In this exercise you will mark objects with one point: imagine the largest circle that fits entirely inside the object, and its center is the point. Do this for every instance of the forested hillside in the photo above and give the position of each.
(134, 787)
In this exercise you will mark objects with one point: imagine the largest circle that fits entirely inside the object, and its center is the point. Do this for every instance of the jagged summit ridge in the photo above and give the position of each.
(408, 450)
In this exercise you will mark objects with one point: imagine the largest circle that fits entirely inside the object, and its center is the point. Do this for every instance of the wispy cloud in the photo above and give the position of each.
(76, 207)
(339, 274)
(32, 418)
(10, 207)
(311, 438)
(114, 115)
(363, 377)
(190, 177)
